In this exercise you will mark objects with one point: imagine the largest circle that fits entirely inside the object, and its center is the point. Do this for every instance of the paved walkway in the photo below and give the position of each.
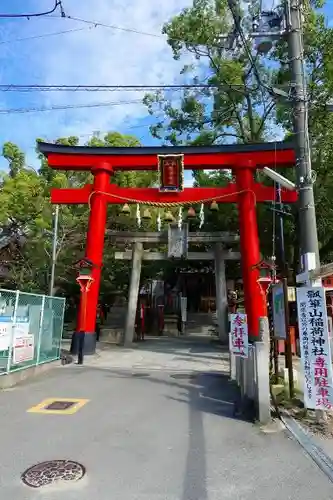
(154, 437)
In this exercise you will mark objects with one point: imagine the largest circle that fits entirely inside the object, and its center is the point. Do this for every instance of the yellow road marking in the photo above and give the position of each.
(50, 406)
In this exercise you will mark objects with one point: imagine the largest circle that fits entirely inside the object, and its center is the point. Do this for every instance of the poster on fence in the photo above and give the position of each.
(5, 332)
(315, 348)
(239, 337)
(23, 349)
(21, 328)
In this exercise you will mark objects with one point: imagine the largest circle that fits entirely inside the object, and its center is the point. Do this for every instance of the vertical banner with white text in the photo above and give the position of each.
(239, 337)
(315, 348)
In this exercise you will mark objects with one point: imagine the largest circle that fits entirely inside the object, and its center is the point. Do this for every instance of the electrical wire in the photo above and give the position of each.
(113, 27)
(217, 45)
(67, 106)
(112, 88)
(45, 35)
(57, 3)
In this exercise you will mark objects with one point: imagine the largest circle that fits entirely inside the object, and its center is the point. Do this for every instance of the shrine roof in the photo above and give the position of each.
(49, 148)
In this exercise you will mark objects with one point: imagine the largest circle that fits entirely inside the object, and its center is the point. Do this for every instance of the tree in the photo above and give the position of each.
(318, 46)
(236, 108)
(25, 207)
(15, 158)
(242, 107)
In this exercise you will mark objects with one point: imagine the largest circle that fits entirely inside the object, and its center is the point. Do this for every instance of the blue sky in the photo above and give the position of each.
(87, 55)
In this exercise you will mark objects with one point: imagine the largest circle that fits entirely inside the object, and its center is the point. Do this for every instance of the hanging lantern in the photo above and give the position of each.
(126, 209)
(168, 217)
(191, 213)
(214, 206)
(146, 214)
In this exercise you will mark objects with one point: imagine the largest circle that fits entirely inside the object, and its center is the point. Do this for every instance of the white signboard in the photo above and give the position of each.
(23, 349)
(239, 337)
(177, 241)
(315, 347)
(5, 332)
(279, 311)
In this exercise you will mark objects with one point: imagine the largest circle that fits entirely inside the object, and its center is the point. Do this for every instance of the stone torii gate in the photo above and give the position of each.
(219, 255)
(243, 160)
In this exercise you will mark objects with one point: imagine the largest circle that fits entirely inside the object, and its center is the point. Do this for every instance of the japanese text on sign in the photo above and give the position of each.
(315, 347)
(239, 338)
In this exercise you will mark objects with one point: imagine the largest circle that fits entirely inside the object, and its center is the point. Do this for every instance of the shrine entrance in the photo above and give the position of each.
(170, 162)
(178, 239)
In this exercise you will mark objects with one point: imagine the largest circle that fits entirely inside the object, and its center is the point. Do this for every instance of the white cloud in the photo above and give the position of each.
(91, 57)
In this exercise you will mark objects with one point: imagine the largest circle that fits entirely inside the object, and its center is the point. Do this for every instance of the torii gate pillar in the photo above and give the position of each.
(249, 243)
(94, 252)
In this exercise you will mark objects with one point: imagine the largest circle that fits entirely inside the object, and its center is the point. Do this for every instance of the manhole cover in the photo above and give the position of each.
(140, 374)
(60, 405)
(184, 376)
(52, 471)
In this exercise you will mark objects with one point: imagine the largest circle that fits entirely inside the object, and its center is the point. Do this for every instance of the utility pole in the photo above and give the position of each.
(309, 248)
(306, 206)
(54, 248)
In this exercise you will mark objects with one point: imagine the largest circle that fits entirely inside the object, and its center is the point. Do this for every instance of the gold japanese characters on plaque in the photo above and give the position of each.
(171, 173)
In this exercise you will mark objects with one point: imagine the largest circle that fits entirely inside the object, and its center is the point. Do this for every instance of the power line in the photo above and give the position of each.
(57, 3)
(113, 27)
(217, 45)
(66, 106)
(113, 88)
(45, 35)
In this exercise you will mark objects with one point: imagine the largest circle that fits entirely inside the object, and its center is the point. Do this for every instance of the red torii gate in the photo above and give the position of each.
(102, 162)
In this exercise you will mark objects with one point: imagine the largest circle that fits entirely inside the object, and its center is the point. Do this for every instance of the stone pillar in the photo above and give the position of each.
(133, 293)
(262, 372)
(221, 294)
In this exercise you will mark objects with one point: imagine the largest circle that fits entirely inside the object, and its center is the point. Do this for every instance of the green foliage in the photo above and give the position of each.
(25, 207)
(237, 108)
(15, 158)
(241, 109)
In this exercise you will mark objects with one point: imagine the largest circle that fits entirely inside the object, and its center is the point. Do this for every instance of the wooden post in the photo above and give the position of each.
(133, 293)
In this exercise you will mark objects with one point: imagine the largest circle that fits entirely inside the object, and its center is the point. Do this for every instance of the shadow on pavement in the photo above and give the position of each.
(206, 392)
(196, 347)
(203, 392)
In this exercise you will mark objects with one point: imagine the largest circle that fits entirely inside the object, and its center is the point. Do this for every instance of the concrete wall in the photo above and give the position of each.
(14, 378)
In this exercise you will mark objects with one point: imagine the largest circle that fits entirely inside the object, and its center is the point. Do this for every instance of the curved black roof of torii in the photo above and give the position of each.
(49, 148)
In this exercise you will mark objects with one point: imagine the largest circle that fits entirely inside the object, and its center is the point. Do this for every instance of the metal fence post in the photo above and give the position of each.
(40, 333)
(62, 323)
(12, 333)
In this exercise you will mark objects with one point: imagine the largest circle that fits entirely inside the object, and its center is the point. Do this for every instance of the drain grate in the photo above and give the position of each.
(60, 405)
(140, 374)
(52, 471)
